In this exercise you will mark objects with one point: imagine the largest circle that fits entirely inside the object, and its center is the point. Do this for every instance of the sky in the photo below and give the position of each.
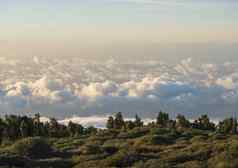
(84, 60)
(101, 28)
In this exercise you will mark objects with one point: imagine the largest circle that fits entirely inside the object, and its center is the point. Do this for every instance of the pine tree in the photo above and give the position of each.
(228, 126)
(2, 129)
(234, 126)
(162, 119)
(182, 122)
(13, 126)
(110, 123)
(54, 127)
(72, 128)
(129, 125)
(138, 122)
(119, 121)
(80, 129)
(24, 128)
(204, 123)
(90, 130)
(37, 124)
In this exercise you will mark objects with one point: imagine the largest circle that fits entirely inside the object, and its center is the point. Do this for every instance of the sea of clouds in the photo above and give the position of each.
(88, 92)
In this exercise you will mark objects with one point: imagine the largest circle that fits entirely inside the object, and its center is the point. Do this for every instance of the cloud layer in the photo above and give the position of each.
(99, 89)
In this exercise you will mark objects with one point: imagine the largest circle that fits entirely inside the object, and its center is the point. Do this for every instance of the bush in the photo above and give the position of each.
(32, 147)
(160, 131)
(123, 158)
(156, 163)
(135, 133)
(223, 160)
(110, 149)
(193, 164)
(160, 140)
(118, 143)
(218, 136)
(195, 132)
(91, 147)
(154, 140)
(199, 138)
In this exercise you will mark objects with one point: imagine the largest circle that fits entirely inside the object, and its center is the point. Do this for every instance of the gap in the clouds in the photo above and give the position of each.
(96, 121)
(100, 121)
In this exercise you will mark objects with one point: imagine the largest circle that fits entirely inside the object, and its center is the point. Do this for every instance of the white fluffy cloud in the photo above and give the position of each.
(83, 89)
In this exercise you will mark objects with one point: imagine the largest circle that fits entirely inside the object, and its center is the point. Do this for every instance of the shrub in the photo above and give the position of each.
(123, 158)
(160, 140)
(154, 140)
(160, 131)
(110, 149)
(218, 136)
(193, 164)
(135, 133)
(199, 138)
(32, 147)
(90, 149)
(223, 160)
(118, 143)
(156, 163)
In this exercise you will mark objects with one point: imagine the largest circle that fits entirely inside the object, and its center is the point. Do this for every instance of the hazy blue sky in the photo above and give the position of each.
(100, 27)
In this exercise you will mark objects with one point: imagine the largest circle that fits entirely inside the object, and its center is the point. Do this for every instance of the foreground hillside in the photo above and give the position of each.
(165, 143)
(140, 148)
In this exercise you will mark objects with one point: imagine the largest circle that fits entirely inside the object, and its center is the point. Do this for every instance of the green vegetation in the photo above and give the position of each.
(165, 143)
